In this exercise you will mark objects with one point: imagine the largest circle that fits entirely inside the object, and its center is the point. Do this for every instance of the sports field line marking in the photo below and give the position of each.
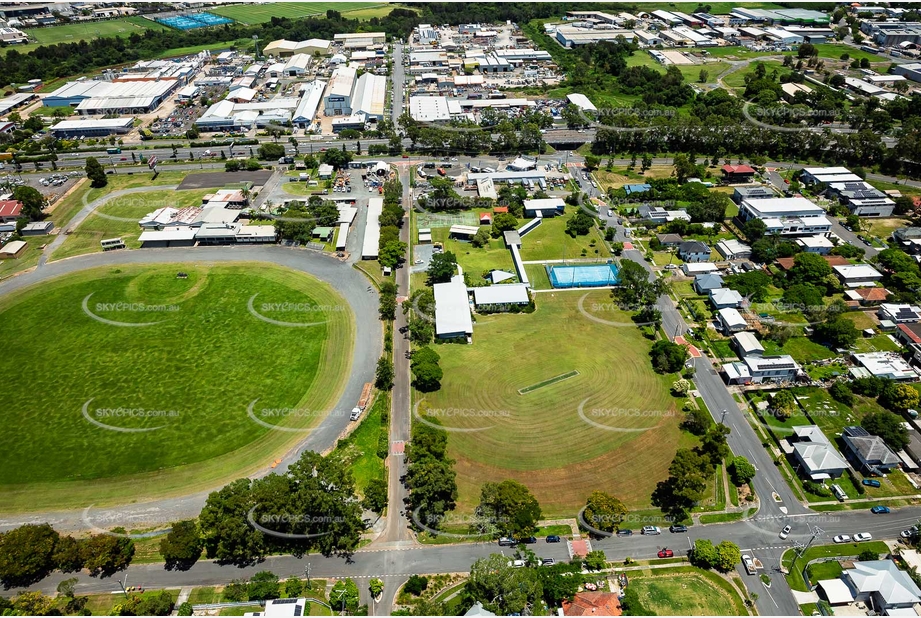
(553, 380)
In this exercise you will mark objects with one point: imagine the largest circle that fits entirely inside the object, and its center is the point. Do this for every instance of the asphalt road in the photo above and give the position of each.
(349, 282)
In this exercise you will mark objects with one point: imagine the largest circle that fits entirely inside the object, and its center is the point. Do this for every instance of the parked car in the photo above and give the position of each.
(907, 534)
(547, 561)
(863, 536)
(666, 553)
(677, 528)
(871, 483)
(553, 538)
(528, 540)
(842, 538)
(506, 542)
(651, 530)
(516, 564)
(625, 532)
(879, 509)
(785, 532)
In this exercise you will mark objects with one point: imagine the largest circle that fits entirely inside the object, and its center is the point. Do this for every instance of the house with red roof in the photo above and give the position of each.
(485, 218)
(592, 604)
(733, 174)
(10, 210)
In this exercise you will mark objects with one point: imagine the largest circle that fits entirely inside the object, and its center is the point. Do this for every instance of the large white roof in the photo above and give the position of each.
(512, 293)
(369, 247)
(342, 81)
(782, 206)
(452, 307)
(369, 95)
(429, 109)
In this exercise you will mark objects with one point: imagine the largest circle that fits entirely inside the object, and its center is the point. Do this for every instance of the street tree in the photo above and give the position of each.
(604, 512)
(95, 173)
(510, 507)
(182, 547)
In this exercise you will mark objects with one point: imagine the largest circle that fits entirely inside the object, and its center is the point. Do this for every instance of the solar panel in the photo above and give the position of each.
(284, 601)
(857, 432)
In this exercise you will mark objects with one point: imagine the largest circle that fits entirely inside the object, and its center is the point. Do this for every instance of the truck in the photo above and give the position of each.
(6, 156)
(362, 402)
(114, 150)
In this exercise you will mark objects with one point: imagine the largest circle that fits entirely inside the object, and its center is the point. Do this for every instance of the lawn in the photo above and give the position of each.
(882, 185)
(258, 14)
(359, 450)
(687, 591)
(622, 442)
(795, 578)
(87, 31)
(736, 79)
(119, 218)
(74, 373)
(883, 228)
(690, 72)
(802, 349)
(103, 604)
(549, 241)
(834, 51)
(27, 260)
(537, 275)
(494, 256)
(878, 343)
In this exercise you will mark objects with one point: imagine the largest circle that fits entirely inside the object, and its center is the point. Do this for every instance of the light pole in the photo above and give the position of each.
(307, 573)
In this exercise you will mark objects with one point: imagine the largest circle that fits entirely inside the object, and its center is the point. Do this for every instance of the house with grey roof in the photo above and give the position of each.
(815, 455)
(746, 344)
(694, 251)
(867, 452)
(883, 586)
(722, 298)
(705, 282)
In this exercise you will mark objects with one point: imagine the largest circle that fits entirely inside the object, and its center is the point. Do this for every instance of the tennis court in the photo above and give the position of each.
(190, 21)
(582, 275)
(429, 219)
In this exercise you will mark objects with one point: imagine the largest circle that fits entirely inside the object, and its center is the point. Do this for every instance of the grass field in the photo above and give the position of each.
(192, 374)
(71, 33)
(795, 578)
(834, 51)
(494, 255)
(27, 260)
(736, 79)
(119, 218)
(540, 439)
(549, 241)
(261, 13)
(359, 450)
(884, 228)
(687, 591)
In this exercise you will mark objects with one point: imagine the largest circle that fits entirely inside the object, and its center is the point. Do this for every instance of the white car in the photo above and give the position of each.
(863, 536)
(842, 538)
(785, 532)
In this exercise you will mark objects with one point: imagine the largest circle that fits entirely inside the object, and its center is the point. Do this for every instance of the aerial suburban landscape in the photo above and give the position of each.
(460, 309)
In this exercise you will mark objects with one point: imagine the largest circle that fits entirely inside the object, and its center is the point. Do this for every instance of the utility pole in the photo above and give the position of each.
(124, 585)
(307, 573)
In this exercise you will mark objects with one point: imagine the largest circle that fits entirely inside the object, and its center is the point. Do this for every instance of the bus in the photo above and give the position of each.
(114, 150)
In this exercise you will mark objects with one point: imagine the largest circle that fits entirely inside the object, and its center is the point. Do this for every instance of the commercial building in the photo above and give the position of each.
(452, 309)
(15, 101)
(500, 297)
(828, 175)
(296, 65)
(542, 208)
(911, 71)
(353, 40)
(95, 127)
(111, 97)
(306, 111)
(338, 98)
(283, 47)
(369, 96)
(227, 115)
(572, 36)
(10, 210)
(888, 365)
(369, 247)
(862, 198)
(789, 216)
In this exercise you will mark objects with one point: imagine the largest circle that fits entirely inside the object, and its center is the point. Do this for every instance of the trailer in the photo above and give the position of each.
(363, 402)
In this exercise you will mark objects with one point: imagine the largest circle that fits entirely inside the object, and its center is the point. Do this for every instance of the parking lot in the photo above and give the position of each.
(50, 184)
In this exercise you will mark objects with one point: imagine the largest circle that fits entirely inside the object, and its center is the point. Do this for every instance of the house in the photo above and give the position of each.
(478, 610)
(705, 282)
(694, 251)
(485, 218)
(732, 249)
(746, 344)
(669, 240)
(899, 314)
(857, 275)
(883, 587)
(10, 210)
(452, 309)
(37, 228)
(909, 334)
(721, 298)
(547, 207)
(283, 608)
(815, 454)
(698, 268)
(754, 369)
(731, 321)
(733, 174)
(909, 239)
(756, 192)
(13, 249)
(820, 245)
(867, 296)
(592, 604)
(888, 365)
(868, 453)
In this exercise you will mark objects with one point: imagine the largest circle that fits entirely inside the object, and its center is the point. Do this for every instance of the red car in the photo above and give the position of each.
(666, 553)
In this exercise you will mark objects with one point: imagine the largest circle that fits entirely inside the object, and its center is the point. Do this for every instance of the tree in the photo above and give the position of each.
(697, 421)
(184, 609)
(182, 547)
(887, 426)
(269, 151)
(339, 159)
(804, 297)
(503, 589)
(481, 238)
(579, 224)
(376, 587)
(752, 285)
(595, 560)
(604, 512)
(34, 604)
(226, 533)
(689, 473)
(668, 357)
(345, 595)
(426, 374)
(838, 331)
(232, 165)
(502, 222)
(806, 50)
(155, 604)
(26, 554)
(728, 555)
(867, 555)
(236, 591)
(383, 377)
(899, 397)
(842, 393)
(560, 582)
(441, 267)
(95, 173)
(416, 584)
(376, 495)
(681, 387)
(809, 268)
(684, 168)
(263, 586)
(703, 76)
(509, 506)
(713, 444)
(704, 554)
(754, 229)
(293, 587)
(104, 554)
(783, 404)
(32, 201)
(741, 471)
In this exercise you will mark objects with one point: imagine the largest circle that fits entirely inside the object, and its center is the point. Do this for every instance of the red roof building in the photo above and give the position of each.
(909, 333)
(499, 209)
(833, 260)
(10, 210)
(592, 604)
(485, 218)
(737, 173)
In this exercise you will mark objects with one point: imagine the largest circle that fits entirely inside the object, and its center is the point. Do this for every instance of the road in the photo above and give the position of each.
(349, 282)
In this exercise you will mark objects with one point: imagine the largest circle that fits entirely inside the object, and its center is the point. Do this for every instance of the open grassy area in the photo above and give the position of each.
(624, 438)
(834, 51)
(119, 218)
(795, 578)
(883, 228)
(103, 604)
(802, 349)
(86, 31)
(359, 450)
(736, 79)
(494, 256)
(261, 13)
(687, 591)
(27, 260)
(549, 241)
(178, 406)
